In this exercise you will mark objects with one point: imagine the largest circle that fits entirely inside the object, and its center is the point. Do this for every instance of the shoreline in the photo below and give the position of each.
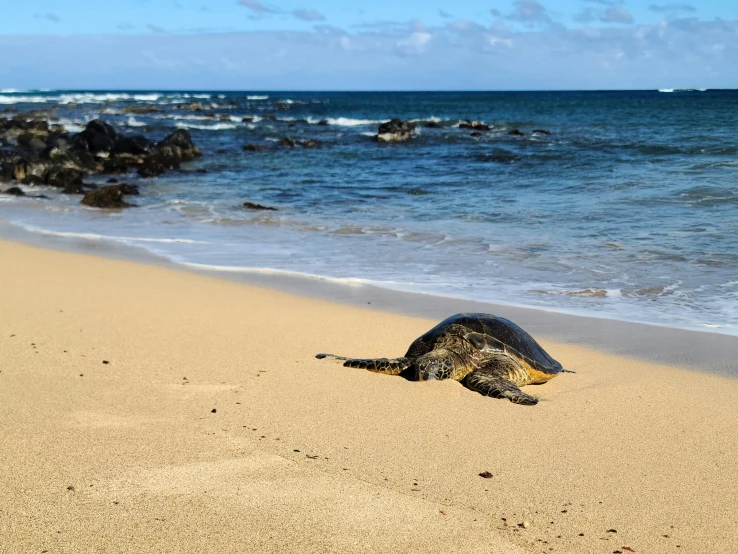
(701, 350)
(160, 410)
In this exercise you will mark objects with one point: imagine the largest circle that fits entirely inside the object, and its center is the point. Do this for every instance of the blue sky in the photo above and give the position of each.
(382, 44)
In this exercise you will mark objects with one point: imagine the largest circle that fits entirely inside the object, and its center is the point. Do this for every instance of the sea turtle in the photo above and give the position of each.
(488, 354)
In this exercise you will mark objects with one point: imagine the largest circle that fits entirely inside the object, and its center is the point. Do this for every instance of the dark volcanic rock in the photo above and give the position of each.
(78, 142)
(169, 153)
(63, 177)
(432, 125)
(108, 197)
(32, 141)
(154, 166)
(50, 155)
(253, 147)
(252, 206)
(287, 141)
(136, 145)
(516, 133)
(65, 157)
(395, 130)
(30, 172)
(118, 165)
(16, 191)
(247, 119)
(323, 122)
(141, 109)
(62, 141)
(541, 132)
(100, 136)
(309, 143)
(178, 147)
(475, 125)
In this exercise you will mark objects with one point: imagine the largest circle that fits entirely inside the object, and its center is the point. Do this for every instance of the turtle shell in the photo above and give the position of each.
(487, 332)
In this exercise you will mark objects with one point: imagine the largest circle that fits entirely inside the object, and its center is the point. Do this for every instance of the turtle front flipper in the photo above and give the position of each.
(489, 384)
(388, 366)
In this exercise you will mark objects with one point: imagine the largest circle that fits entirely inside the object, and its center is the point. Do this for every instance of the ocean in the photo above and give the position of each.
(626, 207)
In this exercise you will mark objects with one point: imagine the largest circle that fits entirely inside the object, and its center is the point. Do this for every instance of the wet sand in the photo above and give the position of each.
(212, 427)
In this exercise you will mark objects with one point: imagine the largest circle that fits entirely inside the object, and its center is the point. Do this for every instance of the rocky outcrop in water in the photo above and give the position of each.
(252, 206)
(59, 176)
(474, 125)
(99, 136)
(47, 154)
(14, 191)
(395, 130)
(110, 197)
(141, 110)
(309, 143)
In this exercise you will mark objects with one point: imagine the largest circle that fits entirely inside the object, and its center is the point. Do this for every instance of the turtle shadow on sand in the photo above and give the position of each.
(486, 353)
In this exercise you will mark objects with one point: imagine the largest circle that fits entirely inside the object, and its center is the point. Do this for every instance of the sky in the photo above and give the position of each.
(361, 45)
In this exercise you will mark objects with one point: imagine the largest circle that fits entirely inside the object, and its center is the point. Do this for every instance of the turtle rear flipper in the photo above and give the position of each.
(388, 366)
(488, 384)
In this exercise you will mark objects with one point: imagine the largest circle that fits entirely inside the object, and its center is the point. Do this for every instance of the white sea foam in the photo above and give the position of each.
(133, 122)
(346, 121)
(432, 118)
(183, 117)
(214, 127)
(257, 98)
(95, 236)
(666, 90)
(78, 98)
(72, 126)
(289, 273)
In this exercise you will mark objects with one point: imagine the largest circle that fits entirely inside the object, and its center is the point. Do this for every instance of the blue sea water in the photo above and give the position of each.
(628, 209)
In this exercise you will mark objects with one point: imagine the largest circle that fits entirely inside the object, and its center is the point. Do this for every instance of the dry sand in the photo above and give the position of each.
(214, 429)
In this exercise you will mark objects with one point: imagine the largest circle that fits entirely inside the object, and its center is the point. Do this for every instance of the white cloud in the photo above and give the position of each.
(529, 12)
(257, 6)
(683, 53)
(617, 15)
(671, 8)
(309, 15)
(415, 43)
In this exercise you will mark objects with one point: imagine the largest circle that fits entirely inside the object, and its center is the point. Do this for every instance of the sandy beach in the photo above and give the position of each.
(145, 409)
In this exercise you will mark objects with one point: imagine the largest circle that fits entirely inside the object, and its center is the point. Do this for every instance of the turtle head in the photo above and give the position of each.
(436, 364)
